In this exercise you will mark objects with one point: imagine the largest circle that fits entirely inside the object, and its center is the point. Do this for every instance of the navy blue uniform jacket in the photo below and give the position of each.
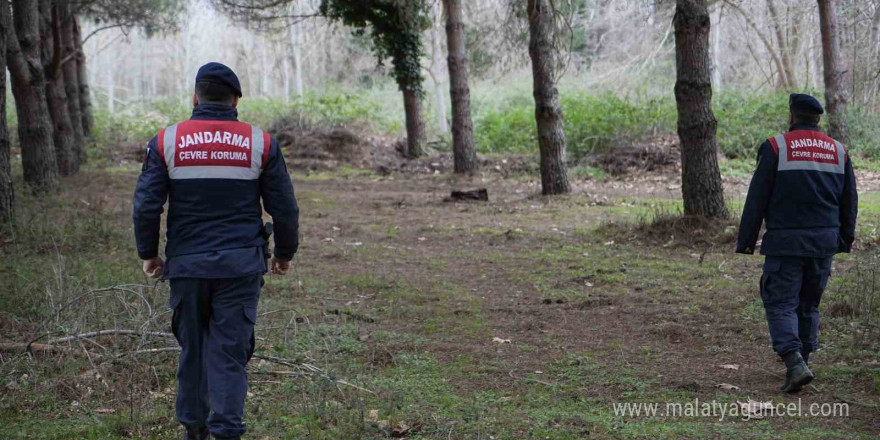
(804, 189)
(213, 171)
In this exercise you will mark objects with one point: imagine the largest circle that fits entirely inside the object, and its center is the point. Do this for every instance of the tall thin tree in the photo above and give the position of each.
(701, 186)
(85, 94)
(7, 191)
(28, 87)
(548, 112)
(71, 79)
(835, 89)
(435, 70)
(463, 151)
(56, 95)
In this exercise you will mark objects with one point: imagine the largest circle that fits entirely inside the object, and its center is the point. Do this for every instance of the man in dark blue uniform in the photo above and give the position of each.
(805, 190)
(213, 170)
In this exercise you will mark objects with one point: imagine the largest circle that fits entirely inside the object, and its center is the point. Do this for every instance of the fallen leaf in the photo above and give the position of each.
(105, 410)
(727, 386)
(729, 366)
(374, 416)
(501, 341)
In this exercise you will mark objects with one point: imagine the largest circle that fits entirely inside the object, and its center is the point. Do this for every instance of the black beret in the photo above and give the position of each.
(804, 104)
(219, 74)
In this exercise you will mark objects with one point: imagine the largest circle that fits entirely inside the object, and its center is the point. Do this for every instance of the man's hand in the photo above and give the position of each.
(280, 267)
(153, 267)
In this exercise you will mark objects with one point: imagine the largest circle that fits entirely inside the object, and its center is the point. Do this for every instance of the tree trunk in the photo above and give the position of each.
(7, 192)
(415, 122)
(874, 56)
(548, 113)
(265, 70)
(296, 60)
(297, 69)
(701, 186)
(85, 95)
(287, 74)
(835, 91)
(436, 68)
(28, 87)
(71, 82)
(111, 80)
(808, 63)
(56, 96)
(787, 75)
(463, 151)
(716, 48)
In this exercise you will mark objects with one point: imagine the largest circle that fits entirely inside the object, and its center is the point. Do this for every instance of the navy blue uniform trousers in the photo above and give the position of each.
(213, 322)
(791, 289)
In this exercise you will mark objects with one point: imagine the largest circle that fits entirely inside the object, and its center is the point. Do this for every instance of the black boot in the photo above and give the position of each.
(198, 434)
(798, 373)
(806, 356)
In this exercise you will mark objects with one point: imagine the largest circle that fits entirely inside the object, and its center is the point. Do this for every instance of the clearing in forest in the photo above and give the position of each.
(408, 316)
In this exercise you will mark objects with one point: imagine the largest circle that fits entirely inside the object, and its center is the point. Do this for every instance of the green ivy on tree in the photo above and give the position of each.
(395, 28)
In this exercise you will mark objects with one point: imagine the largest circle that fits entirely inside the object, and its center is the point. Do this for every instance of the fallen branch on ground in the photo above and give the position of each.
(109, 333)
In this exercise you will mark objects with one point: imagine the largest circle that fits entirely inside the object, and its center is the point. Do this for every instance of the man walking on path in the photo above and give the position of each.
(805, 190)
(214, 170)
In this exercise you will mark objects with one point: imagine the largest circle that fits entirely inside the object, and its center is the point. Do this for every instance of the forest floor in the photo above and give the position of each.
(524, 317)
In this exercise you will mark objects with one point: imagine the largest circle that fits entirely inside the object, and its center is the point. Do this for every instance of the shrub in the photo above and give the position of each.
(591, 122)
(864, 131)
(507, 130)
(504, 120)
(595, 123)
(138, 126)
(745, 120)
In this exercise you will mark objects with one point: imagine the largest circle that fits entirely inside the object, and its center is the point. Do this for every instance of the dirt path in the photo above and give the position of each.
(650, 323)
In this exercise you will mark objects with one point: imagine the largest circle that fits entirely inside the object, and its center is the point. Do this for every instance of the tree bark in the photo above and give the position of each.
(7, 191)
(548, 113)
(56, 96)
(294, 33)
(436, 68)
(463, 150)
(110, 82)
(296, 60)
(28, 87)
(787, 75)
(71, 81)
(286, 77)
(85, 96)
(874, 56)
(701, 186)
(415, 122)
(835, 91)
